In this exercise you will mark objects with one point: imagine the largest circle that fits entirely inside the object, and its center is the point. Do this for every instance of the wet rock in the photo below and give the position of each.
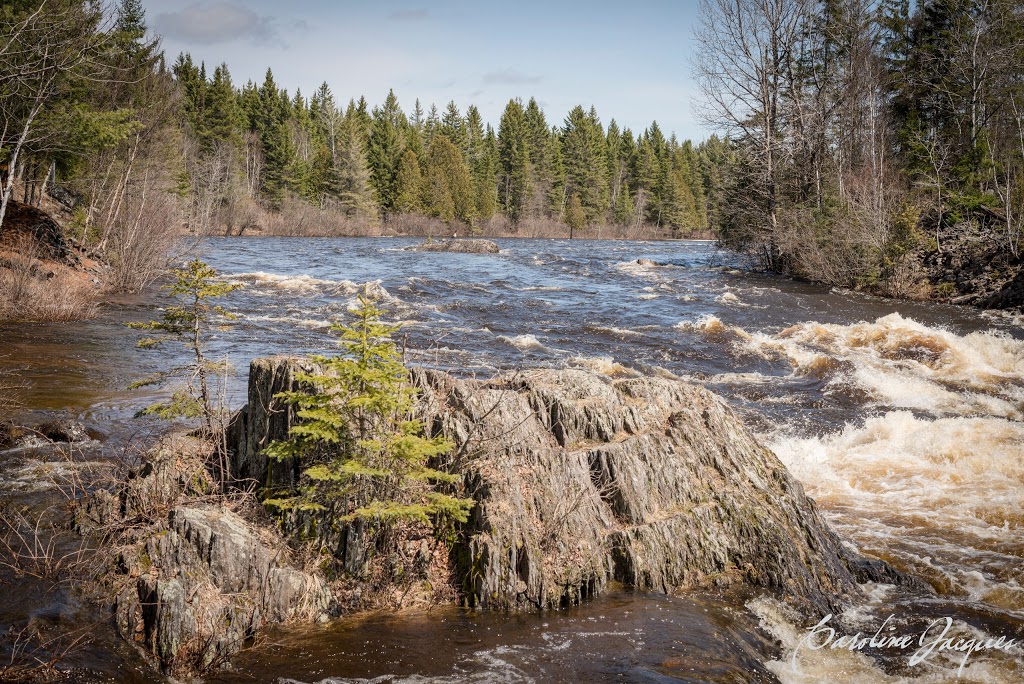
(580, 480)
(10, 435)
(460, 246)
(63, 430)
(206, 583)
(58, 431)
(197, 580)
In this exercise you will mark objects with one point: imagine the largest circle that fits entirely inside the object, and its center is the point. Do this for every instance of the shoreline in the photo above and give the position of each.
(459, 237)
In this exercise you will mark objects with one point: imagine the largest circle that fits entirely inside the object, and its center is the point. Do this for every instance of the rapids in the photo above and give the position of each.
(903, 420)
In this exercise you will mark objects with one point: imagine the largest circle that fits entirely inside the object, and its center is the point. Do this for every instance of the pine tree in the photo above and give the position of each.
(410, 184)
(328, 119)
(136, 54)
(221, 118)
(575, 216)
(482, 164)
(354, 188)
(365, 456)
(271, 116)
(513, 161)
(416, 120)
(647, 172)
(556, 198)
(447, 188)
(189, 323)
(432, 125)
(539, 144)
(193, 90)
(583, 153)
(385, 151)
(454, 128)
(359, 113)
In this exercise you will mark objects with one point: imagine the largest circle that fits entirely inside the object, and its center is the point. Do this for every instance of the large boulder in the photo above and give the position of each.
(581, 479)
(195, 579)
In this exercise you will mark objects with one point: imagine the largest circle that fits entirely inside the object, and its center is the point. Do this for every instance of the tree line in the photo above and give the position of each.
(855, 133)
(863, 130)
(261, 144)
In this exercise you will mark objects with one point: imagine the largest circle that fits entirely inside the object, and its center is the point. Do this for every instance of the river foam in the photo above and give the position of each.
(937, 476)
(897, 361)
(305, 284)
(802, 664)
(926, 493)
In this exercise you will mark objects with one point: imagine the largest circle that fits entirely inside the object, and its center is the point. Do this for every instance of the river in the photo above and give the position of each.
(905, 421)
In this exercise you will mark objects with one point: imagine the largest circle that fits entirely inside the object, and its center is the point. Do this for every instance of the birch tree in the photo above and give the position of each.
(43, 53)
(745, 49)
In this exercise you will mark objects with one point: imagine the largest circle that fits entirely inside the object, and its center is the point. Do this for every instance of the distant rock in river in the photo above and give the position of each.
(474, 246)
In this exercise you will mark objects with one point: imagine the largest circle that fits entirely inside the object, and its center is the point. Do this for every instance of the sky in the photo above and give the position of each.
(629, 59)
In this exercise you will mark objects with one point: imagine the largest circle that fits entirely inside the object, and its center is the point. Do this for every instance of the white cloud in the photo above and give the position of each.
(209, 23)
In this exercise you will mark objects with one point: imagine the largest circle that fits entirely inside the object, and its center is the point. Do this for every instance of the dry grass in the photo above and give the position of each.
(37, 289)
(296, 218)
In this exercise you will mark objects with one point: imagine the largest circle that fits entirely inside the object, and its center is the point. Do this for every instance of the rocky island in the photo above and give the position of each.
(455, 245)
(578, 481)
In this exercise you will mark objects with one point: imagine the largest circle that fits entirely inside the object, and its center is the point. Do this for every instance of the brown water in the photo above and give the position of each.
(902, 419)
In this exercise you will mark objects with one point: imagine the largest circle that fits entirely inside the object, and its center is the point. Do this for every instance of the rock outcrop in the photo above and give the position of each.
(475, 246)
(262, 420)
(197, 580)
(50, 237)
(580, 480)
(58, 430)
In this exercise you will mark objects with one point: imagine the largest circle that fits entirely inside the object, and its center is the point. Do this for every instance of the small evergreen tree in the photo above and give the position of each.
(188, 323)
(364, 453)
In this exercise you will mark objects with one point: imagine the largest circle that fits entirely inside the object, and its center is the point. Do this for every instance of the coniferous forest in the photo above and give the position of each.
(857, 143)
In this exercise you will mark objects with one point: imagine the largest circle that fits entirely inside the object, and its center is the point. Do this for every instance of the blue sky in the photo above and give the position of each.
(631, 60)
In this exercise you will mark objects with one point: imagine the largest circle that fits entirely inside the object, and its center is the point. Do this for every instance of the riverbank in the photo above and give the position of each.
(45, 276)
(966, 264)
(297, 218)
(970, 262)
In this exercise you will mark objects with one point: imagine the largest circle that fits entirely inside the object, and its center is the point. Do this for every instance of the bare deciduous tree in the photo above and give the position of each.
(41, 56)
(745, 52)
